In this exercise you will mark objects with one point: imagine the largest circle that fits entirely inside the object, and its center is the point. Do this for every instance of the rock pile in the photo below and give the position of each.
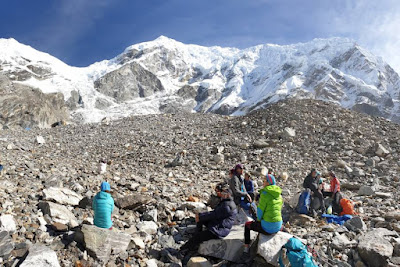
(47, 187)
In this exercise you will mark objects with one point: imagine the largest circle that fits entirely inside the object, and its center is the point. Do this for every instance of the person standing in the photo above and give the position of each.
(103, 206)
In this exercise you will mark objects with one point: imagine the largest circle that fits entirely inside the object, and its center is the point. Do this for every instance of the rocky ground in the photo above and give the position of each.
(50, 176)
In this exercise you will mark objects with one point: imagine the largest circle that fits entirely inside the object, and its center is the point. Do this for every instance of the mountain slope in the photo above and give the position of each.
(168, 76)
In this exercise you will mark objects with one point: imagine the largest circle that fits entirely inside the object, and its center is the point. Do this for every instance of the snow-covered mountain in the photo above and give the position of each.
(168, 76)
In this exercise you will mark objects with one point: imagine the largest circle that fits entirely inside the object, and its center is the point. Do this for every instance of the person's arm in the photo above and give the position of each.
(336, 186)
(221, 212)
(251, 187)
(262, 204)
(237, 188)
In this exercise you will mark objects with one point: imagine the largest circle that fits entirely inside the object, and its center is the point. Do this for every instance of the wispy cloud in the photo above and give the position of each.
(71, 20)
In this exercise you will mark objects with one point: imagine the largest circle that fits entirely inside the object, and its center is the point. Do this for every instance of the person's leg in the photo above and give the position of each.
(319, 195)
(199, 227)
(198, 238)
(245, 205)
(254, 226)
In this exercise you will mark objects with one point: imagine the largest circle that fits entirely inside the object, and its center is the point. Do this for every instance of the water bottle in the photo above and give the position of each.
(329, 211)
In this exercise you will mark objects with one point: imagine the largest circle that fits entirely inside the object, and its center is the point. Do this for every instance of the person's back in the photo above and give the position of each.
(271, 203)
(103, 206)
(225, 215)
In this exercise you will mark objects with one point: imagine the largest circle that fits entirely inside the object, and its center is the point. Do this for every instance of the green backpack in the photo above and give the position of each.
(297, 254)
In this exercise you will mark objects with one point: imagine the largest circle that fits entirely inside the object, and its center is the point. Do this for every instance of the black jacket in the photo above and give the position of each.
(220, 220)
(310, 183)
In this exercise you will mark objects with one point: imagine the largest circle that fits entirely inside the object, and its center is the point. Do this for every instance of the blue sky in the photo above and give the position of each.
(81, 32)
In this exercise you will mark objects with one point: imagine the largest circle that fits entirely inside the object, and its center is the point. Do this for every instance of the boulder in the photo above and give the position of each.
(149, 227)
(341, 242)
(40, 140)
(100, 242)
(133, 201)
(229, 248)
(374, 248)
(62, 196)
(7, 223)
(366, 191)
(59, 213)
(198, 262)
(6, 243)
(40, 255)
(355, 223)
(393, 215)
(289, 132)
(269, 246)
(261, 143)
(381, 151)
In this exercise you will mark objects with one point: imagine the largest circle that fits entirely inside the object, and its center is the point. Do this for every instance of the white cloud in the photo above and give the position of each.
(71, 20)
(374, 25)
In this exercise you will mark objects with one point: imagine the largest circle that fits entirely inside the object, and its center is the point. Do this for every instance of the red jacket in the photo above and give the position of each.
(335, 185)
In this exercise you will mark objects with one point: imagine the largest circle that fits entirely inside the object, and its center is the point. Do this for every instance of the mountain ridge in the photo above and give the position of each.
(165, 75)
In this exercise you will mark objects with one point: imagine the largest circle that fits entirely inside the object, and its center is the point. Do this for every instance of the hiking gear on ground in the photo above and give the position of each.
(297, 254)
(347, 207)
(220, 220)
(103, 206)
(105, 186)
(330, 218)
(270, 205)
(329, 211)
(303, 206)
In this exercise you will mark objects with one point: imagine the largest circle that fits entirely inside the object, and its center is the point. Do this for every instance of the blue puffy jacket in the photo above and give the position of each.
(220, 220)
(103, 206)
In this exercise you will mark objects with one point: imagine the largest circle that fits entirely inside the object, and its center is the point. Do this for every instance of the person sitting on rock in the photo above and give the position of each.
(103, 206)
(236, 183)
(218, 222)
(249, 185)
(334, 192)
(269, 211)
(312, 182)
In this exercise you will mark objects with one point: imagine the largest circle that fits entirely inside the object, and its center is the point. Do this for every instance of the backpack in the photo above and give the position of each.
(303, 206)
(347, 207)
(297, 254)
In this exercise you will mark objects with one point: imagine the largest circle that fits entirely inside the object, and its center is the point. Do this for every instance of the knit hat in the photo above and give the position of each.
(239, 166)
(270, 179)
(105, 186)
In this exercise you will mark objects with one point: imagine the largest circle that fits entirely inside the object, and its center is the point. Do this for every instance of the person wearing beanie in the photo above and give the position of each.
(269, 211)
(103, 206)
(218, 222)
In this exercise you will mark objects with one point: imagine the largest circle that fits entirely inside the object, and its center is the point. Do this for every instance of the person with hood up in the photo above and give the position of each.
(218, 222)
(269, 211)
(103, 206)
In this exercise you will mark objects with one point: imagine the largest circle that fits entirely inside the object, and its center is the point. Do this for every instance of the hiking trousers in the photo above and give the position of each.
(199, 237)
(254, 226)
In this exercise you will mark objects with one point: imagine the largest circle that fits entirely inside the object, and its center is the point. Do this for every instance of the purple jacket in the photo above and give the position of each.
(221, 219)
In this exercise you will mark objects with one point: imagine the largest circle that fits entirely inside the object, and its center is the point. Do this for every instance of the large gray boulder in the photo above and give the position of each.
(132, 201)
(62, 196)
(6, 243)
(101, 243)
(229, 248)
(374, 249)
(59, 213)
(40, 255)
(269, 246)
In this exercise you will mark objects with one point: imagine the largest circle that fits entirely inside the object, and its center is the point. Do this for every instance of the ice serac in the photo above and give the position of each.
(166, 76)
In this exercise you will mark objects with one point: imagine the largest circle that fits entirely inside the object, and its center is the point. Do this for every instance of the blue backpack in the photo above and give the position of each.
(303, 206)
(297, 254)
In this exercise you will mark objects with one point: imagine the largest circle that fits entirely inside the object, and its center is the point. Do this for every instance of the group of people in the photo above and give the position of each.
(235, 195)
(315, 184)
